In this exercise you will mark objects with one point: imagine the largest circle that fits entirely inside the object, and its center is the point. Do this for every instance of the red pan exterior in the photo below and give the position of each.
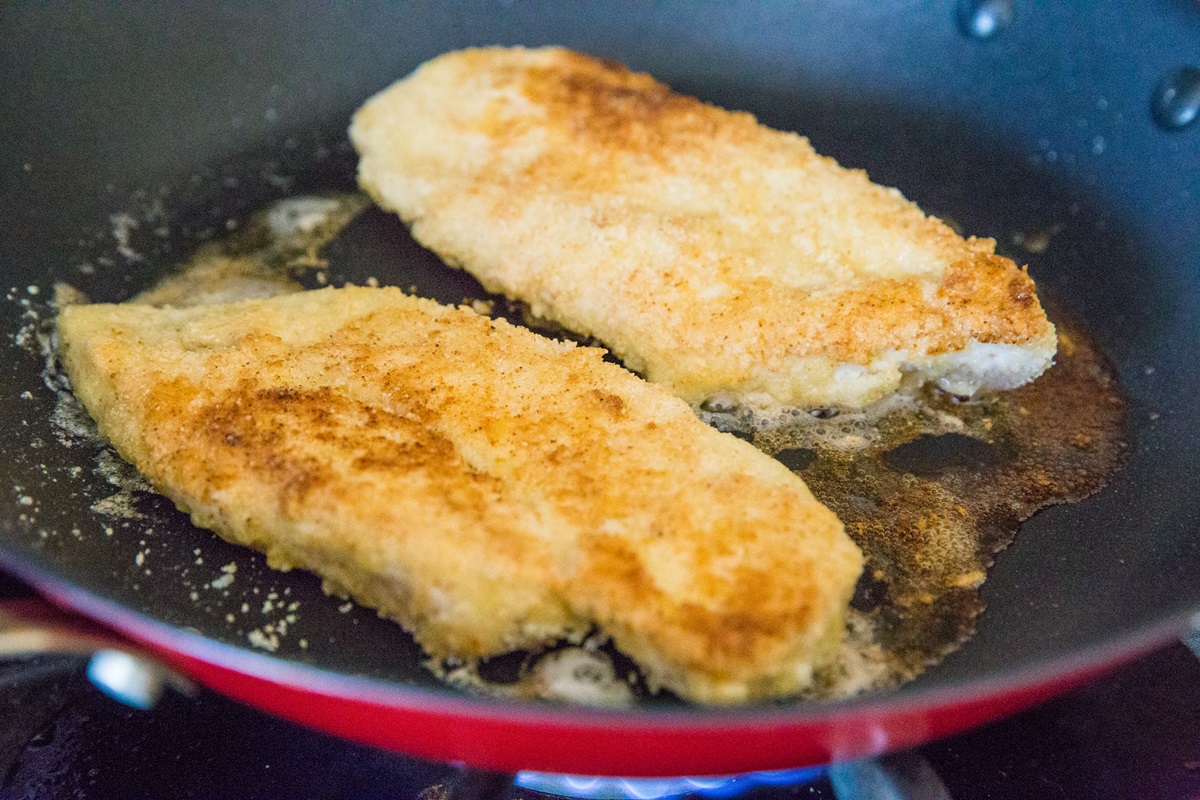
(637, 749)
(512, 738)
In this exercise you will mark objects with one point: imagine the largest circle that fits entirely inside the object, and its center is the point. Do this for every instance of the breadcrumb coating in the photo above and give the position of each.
(712, 254)
(487, 487)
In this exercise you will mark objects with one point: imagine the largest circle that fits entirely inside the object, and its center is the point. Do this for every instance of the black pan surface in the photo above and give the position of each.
(184, 118)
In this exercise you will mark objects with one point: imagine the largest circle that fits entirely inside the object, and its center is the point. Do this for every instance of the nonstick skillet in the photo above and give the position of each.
(130, 134)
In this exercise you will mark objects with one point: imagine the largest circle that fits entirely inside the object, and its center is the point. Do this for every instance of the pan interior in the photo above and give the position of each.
(1078, 576)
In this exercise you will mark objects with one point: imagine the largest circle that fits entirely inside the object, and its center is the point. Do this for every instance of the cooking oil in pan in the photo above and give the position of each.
(931, 487)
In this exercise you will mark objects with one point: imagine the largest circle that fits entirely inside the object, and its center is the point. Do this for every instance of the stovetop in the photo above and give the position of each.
(1132, 734)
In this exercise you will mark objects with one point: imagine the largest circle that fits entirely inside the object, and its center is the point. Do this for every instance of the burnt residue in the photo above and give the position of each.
(943, 488)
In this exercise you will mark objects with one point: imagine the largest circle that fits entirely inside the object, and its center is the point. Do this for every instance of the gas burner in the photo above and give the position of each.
(594, 788)
(898, 776)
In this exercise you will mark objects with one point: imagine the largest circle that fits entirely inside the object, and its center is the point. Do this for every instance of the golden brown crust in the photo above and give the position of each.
(487, 487)
(709, 252)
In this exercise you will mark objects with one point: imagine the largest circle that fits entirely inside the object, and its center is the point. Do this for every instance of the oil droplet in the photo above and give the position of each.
(1176, 101)
(719, 404)
(983, 19)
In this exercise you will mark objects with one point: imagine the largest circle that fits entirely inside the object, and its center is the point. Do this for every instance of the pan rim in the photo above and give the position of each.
(147, 630)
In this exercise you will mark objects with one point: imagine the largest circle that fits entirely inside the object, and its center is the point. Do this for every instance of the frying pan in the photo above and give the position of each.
(130, 133)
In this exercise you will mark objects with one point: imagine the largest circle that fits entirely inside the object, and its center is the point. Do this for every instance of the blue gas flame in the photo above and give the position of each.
(589, 788)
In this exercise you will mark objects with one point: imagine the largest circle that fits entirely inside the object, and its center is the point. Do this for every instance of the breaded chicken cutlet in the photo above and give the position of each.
(712, 254)
(487, 487)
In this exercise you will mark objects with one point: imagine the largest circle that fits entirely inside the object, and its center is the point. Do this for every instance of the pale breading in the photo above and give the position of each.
(487, 487)
(712, 254)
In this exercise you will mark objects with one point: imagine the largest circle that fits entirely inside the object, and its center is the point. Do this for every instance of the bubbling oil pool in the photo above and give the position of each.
(932, 489)
(929, 487)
